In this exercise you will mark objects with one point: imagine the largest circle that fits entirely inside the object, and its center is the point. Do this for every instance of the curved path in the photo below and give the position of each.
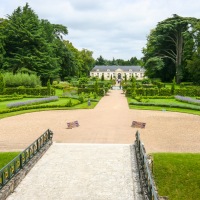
(109, 122)
(104, 169)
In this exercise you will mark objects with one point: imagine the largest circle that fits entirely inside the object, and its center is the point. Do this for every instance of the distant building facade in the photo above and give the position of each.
(118, 72)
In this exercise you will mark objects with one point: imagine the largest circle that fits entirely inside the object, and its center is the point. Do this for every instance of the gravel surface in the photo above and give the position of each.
(109, 122)
(81, 172)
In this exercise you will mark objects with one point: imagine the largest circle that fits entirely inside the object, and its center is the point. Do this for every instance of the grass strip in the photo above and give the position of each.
(6, 157)
(177, 175)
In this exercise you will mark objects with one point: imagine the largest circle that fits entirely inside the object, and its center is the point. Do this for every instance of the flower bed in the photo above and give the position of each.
(187, 99)
(34, 101)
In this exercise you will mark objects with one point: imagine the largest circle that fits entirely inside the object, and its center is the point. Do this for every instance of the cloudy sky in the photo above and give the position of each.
(111, 28)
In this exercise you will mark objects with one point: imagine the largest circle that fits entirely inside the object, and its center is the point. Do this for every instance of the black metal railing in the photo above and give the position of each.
(145, 171)
(14, 166)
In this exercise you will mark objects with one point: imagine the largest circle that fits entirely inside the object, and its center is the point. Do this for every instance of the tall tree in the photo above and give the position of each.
(72, 61)
(171, 39)
(30, 43)
(193, 63)
(87, 61)
(100, 61)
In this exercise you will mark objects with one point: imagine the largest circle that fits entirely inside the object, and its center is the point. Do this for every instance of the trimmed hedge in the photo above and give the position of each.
(158, 97)
(40, 106)
(166, 105)
(192, 91)
(29, 91)
(101, 91)
(10, 98)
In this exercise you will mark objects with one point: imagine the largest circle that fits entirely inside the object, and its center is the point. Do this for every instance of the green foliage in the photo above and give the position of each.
(96, 87)
(39, 48)
(21, 79)
(173, 86)
(177, 175)
(154, 67)
(191, 91)
(133, 61)
(170, 105)
(10, 98)
(6, 157)
(48, 87)
(69, 103)
(101, 92)
(82, 82)
(162, 44)
(29, 91)
(102, 77)
(2, 83)
(164, 92)
(81, 99)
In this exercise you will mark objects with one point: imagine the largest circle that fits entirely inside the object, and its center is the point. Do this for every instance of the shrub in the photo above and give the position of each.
(48, 87)
(101, 92)
(20, 79)
(191, 91)
(165, 92)
(10, 98)
(69, 103)
(173, 86)
(81, 99)
(42, 91)
(151, 91)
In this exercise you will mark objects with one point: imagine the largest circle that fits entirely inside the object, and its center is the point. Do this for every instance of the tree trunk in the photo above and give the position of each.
(179, 52)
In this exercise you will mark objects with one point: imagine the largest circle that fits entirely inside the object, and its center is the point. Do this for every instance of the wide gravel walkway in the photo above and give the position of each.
(93, 161)
(109, 122)
(81, 172)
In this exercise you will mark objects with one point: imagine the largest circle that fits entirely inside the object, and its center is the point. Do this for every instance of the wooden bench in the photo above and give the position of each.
(71, 125)
(136, 124)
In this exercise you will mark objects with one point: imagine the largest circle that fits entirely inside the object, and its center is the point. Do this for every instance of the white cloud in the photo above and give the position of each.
(114, 28)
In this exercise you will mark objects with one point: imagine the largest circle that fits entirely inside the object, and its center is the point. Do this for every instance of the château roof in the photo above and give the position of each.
(104, 68)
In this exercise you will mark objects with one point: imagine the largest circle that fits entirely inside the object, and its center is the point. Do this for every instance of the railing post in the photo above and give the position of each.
(12, 168)
(21, 163)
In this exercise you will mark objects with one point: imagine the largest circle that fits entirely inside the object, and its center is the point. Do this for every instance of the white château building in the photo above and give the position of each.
(118, 72)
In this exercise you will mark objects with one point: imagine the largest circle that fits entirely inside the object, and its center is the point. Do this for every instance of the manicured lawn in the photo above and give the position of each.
(167, 101)
(61, 101)
(162, 108)
(6, 157)
(59, 92)
(177, 175)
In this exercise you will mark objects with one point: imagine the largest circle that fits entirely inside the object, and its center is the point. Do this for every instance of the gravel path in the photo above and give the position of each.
(81, 172)
(93, 161)
(109, 122)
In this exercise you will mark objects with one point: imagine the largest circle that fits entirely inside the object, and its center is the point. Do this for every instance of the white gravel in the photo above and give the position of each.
(81, 172)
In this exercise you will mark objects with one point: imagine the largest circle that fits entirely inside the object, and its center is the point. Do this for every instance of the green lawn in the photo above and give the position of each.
(6, 157)
(167, 101)
(161, 108)
(61, 101)
(177, 175)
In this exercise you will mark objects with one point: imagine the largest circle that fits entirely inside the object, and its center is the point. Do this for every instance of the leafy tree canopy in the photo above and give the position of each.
(172, 41)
